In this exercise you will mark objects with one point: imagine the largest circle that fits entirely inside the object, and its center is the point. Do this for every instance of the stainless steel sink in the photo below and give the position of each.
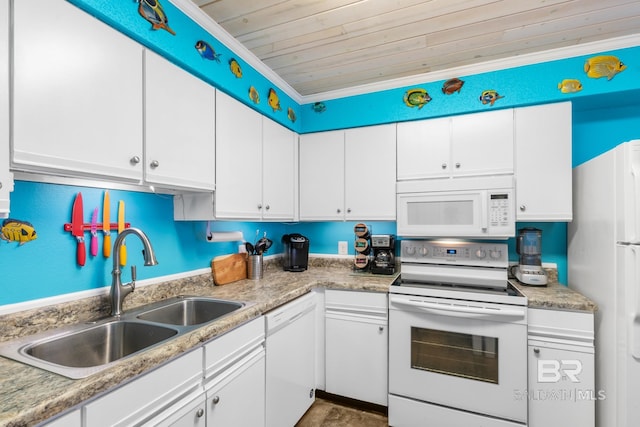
(81, 350)
(188, 311)
(99, 344)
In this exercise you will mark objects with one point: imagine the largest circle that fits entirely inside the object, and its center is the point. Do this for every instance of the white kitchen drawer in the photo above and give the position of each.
(148, 395)
(575, 327)
(225, 350)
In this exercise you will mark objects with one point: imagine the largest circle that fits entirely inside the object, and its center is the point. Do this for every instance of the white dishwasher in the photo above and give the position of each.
(291, 362)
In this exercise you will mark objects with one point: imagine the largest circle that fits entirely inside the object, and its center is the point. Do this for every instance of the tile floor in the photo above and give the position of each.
(329, 413)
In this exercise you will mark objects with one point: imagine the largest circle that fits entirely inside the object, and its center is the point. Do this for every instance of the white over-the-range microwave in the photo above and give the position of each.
(470, 208)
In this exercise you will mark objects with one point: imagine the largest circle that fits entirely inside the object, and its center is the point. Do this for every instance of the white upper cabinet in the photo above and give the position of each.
(466, 145)
(255, 164)
(370, 170)
(179, 127)
(322, 176)
(482, 143)
(238, 159)
(77, 86)
(6, 178)
(543, 163)
(279, 171)
(348, 175)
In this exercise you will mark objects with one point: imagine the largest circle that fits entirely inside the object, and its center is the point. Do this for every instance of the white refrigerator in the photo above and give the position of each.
(604, 265)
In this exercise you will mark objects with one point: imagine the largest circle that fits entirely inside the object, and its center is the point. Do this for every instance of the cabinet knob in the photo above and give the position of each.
(200, 413)
(215, 400)
(154, 164)
(444, 166)
(267, 207)
(523, 208)
(134, 160)
(457, 165)
(348, 210)
(259, 205)
(381, 328)
(536, 350)
(338, 210)
(0, 184)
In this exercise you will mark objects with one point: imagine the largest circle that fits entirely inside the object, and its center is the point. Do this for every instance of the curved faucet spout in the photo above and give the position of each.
(119, 291)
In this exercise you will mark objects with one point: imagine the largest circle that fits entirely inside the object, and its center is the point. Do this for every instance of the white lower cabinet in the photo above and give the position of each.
(148, 396)
(356, 345)
(70, 419)
(235, 377)
(561, 369)
(189, 412)
(291, 361)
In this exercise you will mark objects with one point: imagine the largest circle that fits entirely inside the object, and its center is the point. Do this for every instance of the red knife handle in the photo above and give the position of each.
(81, 252)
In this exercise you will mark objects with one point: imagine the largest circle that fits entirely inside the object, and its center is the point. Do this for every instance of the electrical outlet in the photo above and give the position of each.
(343, 248)
(242, 248)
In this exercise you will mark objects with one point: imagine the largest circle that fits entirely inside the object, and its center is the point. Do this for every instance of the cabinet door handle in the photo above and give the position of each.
(267, 207)
(536, 350)
(200, 413)
(259, 205)
(134, 160)
(457, 165)
(348, 210)
(444, 166)
(523, 208)
(215, 400)
(381, 328)
(154, 164)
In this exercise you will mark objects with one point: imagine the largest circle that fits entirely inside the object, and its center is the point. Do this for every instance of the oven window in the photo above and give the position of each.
(451, 353)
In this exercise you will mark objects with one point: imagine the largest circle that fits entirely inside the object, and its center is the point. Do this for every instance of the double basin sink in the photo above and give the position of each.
(81, 350)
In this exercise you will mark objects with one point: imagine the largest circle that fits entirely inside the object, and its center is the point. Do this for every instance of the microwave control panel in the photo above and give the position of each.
(499, 209)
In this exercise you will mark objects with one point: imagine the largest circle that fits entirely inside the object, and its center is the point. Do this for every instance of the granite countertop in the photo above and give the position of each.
(30, 395)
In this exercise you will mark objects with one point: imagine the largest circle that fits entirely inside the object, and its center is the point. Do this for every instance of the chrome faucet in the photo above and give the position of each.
(118, 290)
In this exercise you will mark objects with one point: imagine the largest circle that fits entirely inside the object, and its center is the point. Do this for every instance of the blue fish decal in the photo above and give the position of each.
(206, 51)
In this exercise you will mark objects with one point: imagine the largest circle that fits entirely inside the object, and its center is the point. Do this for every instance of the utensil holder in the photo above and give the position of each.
(255, 267)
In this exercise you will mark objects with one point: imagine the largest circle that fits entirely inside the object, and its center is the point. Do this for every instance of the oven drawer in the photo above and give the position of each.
(405, 412)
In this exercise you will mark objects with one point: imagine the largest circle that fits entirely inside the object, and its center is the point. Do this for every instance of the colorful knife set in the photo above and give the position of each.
(78, 227)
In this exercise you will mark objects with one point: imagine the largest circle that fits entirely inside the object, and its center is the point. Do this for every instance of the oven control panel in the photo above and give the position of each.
(454, 252)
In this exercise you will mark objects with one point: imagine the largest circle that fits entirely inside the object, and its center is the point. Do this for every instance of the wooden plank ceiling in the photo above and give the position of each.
(318, 46)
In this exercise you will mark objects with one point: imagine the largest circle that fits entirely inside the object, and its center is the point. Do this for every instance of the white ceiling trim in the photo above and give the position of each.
(195, 13)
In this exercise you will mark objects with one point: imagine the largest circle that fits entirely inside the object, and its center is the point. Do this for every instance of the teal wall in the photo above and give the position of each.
(606, 113)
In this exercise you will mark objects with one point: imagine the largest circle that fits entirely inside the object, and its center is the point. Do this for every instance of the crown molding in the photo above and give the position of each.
(194, 12)
(204, 20)
(482, 67)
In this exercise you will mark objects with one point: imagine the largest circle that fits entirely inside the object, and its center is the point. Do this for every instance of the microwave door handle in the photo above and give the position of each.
(484, 220)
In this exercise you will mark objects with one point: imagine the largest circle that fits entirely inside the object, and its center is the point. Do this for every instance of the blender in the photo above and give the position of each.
(529, 270)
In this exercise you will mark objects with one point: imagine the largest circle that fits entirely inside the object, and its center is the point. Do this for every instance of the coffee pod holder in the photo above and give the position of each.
(362, 247)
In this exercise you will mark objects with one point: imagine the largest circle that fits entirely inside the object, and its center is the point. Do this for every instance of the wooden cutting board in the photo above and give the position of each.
(229, 268)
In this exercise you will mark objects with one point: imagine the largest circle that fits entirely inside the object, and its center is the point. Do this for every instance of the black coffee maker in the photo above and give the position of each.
(384, 259)
(296, 252)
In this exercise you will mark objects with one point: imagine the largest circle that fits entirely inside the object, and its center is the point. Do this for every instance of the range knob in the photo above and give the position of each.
(410, 250)
(481, 253)
(495, 254)
(424, 251)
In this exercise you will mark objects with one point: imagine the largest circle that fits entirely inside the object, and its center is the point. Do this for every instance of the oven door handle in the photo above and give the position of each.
(460, 310)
